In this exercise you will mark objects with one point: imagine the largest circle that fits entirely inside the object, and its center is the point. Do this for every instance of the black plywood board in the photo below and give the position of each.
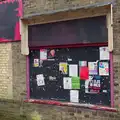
(53, 90)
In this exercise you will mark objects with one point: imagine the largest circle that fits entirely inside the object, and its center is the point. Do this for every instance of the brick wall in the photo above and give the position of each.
(14, 110)
(12, 71)
(39, 6)
(18, 72)
(5, 71)
(116, 52)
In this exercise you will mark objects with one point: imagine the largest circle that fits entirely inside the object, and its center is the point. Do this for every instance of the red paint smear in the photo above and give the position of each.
(7, 1)
(7, 40)
(17, 31)
(94, 107)
(17, 26)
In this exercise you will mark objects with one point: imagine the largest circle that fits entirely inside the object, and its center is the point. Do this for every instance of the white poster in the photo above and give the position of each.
(40, 80)
(74, 96)
(43, 54)
(67, 83)
(73, 70)
(104, 53)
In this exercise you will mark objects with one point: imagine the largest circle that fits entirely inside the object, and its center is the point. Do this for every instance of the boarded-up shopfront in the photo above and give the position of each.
(70, 61)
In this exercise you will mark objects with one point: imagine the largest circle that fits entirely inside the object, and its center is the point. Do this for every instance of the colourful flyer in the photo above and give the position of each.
(63, 68)
(103, 68)
(93, 85)
(92, 68)
(75, 83)
(84, 73)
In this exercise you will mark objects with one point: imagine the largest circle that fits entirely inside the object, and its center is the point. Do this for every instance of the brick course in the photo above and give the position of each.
(15, 110)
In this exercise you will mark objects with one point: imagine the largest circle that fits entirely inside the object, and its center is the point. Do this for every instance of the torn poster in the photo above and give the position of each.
(93, 85)
(73, 70)
(83, 63)
(104, 53)
(103, 68)
(74, 96)
(84, 74)
(75, 83)
(63, 68)
(92, 68)
(67, 83)
(43, 54)
(36, 63)
(40, 80)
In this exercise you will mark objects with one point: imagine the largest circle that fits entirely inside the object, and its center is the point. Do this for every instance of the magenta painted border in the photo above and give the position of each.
(27, 77)
(111, 79)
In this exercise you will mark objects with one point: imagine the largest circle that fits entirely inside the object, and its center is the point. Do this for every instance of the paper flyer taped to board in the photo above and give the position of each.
(73, 70)
(51, 54)
(84, 73)
(74, 96)
(40, 80)
(93, 85)
(104, 53)
(92, 68)
(63, 67)
(75, 83)
(67, 83)
(103, 68)
(36, 63)
(43, 54)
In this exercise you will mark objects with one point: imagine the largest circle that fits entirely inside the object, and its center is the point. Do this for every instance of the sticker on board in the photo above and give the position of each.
(104, 53)
(74, 96)
(103, 68)
(43, 54)
(36, 63)
(63, 68)
(92, 68)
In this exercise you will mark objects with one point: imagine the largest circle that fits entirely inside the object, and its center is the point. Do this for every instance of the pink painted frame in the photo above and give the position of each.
(111, 80)
(27, 78)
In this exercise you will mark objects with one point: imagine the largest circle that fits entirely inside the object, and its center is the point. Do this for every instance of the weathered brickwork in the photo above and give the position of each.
(18, 72)
(39, 6)
(11, 110)
(116, 52)
(5, 71)
(12, 71)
